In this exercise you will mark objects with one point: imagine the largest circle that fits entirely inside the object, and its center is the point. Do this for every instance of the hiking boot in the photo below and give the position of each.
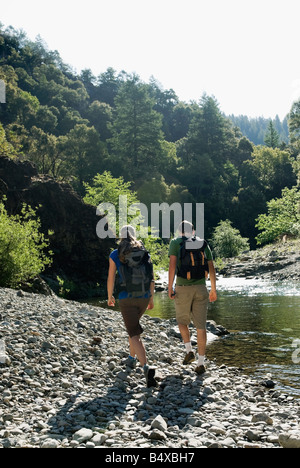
(190, 357)
(149, 374)
(200, 370)
(130, 362)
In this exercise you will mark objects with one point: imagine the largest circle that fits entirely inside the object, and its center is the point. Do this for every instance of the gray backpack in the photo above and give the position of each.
(136, 272)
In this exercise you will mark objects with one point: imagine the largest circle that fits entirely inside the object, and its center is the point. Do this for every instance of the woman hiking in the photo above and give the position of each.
(135, 273)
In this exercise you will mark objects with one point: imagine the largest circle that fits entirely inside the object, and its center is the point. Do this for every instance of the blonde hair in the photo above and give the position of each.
(128, 241)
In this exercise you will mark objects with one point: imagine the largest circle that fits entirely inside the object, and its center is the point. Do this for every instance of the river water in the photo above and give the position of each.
(264, 323)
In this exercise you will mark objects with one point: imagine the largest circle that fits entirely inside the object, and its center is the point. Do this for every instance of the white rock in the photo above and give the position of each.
(50, 444)
(83, 435)
(159, 423)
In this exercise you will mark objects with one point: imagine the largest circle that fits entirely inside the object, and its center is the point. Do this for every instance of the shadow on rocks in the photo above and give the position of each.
(79, 411)
(177, 398)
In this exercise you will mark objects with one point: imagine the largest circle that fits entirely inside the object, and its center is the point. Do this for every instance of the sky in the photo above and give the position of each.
(244, 53)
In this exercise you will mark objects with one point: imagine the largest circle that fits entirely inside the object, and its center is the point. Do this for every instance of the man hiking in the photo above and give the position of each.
(191, 260)
(136, 285)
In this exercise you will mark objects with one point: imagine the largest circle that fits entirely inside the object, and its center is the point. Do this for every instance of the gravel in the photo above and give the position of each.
(64, 384)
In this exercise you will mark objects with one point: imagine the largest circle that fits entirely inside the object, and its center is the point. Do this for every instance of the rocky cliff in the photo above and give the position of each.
(80, 257)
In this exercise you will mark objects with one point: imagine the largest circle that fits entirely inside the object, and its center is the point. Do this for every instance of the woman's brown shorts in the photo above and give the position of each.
(132, 310)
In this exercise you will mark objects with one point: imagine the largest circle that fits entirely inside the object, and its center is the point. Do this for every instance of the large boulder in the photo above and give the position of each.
(80, 257)
(290, 440)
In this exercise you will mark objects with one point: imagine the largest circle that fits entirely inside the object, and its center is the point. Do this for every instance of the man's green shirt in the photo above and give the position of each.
(174, 249)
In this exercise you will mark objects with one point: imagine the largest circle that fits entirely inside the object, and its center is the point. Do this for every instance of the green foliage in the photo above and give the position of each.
(256, 128)
(227, 241)
(22, 247)
(283, 217)
(6, 148)
(107, 189)
(137, 135)
(83, 155)
(75, 127)
(273, 169)
(159, 252)
(43, 151)
(272, 138)
(66, 287)
(294, 122)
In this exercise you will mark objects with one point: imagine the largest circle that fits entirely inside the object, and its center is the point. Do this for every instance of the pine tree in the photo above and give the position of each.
(137, 135)
(272, 139)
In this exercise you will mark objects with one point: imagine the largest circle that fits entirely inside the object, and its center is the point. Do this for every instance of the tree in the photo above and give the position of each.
(182, 116)
(165, 102)
(294, 122)
(206, 160)
(46, 118)
(108, 86)
(137, 135)
(6, 148)
(273, 169)
(107, 189)
(255, 128)
(272, 139)
(83, 155)
(100, 116)
(227, 241)
(43, 151)
(244, 152)
(211, 133)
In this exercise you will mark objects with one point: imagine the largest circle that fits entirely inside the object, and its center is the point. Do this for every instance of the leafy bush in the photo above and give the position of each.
(22, 247)
(227, 241)
(106, 188)
(283, 217)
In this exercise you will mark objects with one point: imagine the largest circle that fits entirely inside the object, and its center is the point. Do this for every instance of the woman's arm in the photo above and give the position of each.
(151, 303)
(111, 283)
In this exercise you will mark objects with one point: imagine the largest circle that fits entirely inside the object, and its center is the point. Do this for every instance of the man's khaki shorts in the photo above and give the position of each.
(191, 303)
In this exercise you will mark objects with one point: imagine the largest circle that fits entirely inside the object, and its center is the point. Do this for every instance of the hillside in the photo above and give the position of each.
(73, 127)
(256, 129)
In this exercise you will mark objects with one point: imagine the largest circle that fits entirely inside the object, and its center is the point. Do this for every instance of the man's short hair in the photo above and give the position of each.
(186, 227)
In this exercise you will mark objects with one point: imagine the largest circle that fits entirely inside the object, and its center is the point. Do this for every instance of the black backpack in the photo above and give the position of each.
(192, 259)
(136, 272)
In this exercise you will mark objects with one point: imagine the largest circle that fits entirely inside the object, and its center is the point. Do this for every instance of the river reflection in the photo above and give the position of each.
(264, 321)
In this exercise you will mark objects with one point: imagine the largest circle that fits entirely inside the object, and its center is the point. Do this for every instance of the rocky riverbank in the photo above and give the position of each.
(65, 385)
(278, 262)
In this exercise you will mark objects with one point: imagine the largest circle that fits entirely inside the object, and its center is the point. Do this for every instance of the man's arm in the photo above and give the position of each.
(212, 276)
(172, 273)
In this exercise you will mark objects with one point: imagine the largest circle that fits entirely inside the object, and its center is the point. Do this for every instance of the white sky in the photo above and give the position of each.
(245, 53)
